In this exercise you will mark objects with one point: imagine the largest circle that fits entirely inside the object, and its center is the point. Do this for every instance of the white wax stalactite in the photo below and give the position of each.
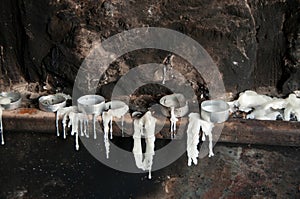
(164, 74)
(207, 128)
(106, 117)
(122, 126)
(144, 126)
(194, 126)
(1, 127)
(74, 123)
(86, 132)
(77, 121)
(94, 125)
(173, 120)
(60, 113)
(113, 109)
(193, 138)
(111, 127)
(83, 122)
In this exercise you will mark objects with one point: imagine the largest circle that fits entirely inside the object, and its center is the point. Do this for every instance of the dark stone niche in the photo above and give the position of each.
(254, 43)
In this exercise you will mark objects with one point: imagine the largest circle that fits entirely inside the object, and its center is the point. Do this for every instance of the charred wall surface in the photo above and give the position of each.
(254, 43)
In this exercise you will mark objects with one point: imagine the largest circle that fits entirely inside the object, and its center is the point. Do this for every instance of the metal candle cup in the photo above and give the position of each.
(216, 111)
(15, 100)
(91, 104)
(177, 101)
(51, 103)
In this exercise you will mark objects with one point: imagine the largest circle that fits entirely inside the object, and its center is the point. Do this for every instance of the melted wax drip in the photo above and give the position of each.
(94, 126)
(144, 126)
(107, 117)
(122, 125)
(265, 107)
(71, 118)
(173, 120)
(194, 126)
(63, 112)
(164, 74)
(106, 121)
(193, 138)
(1, 126)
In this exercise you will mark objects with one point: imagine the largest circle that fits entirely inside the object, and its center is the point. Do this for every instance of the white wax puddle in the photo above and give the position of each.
(250, 99)
(1, 127)
(194, 126)
(267, 108)
(144, 126)
(173, 120)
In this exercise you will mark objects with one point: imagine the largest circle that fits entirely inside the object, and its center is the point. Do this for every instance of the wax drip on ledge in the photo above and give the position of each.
(195, 125)
(113, 109)
(174, 106)
(144, 127)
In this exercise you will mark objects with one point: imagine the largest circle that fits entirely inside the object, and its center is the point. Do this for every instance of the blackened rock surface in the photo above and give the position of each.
(269, 18)
(11, 49)
(248, 40)
(291, 73)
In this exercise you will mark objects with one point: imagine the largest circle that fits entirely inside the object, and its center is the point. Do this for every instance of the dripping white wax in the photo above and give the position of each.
(144, 126)
(1, 126)
(76, 120)
(106, 120)
(250, 99)
(207, 128)
(74, 123)
(114, 109)
(193, 138)
(268, 108)
(194, 126)
(61, 113)
(173, 120)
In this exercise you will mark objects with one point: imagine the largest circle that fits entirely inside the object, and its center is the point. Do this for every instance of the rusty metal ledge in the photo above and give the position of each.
(234, 131)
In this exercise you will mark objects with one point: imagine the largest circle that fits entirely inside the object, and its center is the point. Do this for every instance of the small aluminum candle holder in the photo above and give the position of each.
(51, 103)
(91, 104)
(177, 101)
(10, 100)
(215, 111)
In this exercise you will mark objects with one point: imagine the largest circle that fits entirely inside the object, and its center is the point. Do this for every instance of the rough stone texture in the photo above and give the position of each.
(255, 43)
(43, 166)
